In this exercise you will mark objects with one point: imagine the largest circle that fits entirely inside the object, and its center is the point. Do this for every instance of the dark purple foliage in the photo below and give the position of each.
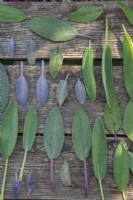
(30, 181)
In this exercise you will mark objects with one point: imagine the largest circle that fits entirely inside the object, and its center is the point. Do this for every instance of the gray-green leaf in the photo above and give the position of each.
(52, 28)
(121, 167)
(30, 128)
(62, 91)
(54, 134)
(128, 120)
(85, 15)
(11, 14)
(9, 130)
(55, 62)
(65, 174)
(130, 156)
(31, 49)
(81, 134)
(127, 10)
(112, 117)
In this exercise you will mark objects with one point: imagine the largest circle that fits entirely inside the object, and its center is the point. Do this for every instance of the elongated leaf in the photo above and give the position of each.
(53, 134)
(11, 14)
(52, 28)
(128, 63)
(112, 117)
(65, 174)
(80, 91)
(130, 156)
(99, 149)
(4, 88)
(56, 61)
(16, 187)
(21, 89)
(127, 10)
(107, 75)
(85, 15)
(128, 121)
(31, 49)
(62, 91)
(30, 181)
(11, 47)
(9, 130)
(88, 73)
(30, 128)
(121, 167)
(42, 88)
(81, 134)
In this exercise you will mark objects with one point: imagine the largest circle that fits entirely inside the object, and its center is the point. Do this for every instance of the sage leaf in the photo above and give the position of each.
(99, 152)
(130, 156)
(29, 133)
(16, 187)
(112, 117)
(88, 73)
(80, 92)
(53, 139)
(11, 47)
(55, 62)
(30, 181)
(82, 139)
(4, 88)
(52, 28)
(62, 91)
(128, 63)
(127, 10)
(107, 75)
(85, 15)
(128, 121)
(21, 89)
(42, 88)
(31, 49)
(65, 174)
(11, 14)
(121, 168)
(9, 133)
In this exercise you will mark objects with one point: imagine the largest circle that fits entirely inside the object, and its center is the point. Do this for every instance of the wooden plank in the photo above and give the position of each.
(38, 160)
(93, 109)
(73, 48)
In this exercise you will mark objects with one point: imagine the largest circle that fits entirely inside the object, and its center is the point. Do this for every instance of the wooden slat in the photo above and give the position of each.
(38, 160)
(73, 48)
(94, 109)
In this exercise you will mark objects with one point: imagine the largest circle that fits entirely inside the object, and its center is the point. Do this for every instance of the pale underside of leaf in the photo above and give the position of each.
(65, 174)
(80, 92)
(31, 51)
(62, 92)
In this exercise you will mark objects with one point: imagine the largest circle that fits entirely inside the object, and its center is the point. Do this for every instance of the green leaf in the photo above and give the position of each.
(88, 73)
(85, 15)
(56, 61)
(127, 10)
(54, 134)
(11, 14)
(130, 156)
(52, 28)
(112, 117)
(99, 149)
(30, 128)
(81, 134)
(121, 167)
(4, 88)
(65, 174)
(128, 63)
(107, 75)
(9, 130)
(128, 120)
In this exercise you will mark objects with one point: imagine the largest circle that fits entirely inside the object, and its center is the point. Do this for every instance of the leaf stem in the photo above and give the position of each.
(84, 36)
(86, 178)
(89, 44)
(101, 189)
(67, 76)
(21, 68)
(106, 37)
(42, 67)
(123, 195)
(4, 179)
(52, 174)
(22, 168)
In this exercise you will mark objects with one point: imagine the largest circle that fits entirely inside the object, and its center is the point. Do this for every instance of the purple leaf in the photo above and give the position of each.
(21, 89)
(16, 187)
(11, 47)
(80, 91)
(30, 181)
(42, 88)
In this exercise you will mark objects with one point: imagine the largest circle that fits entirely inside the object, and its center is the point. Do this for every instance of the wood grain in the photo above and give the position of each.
(73, 48)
